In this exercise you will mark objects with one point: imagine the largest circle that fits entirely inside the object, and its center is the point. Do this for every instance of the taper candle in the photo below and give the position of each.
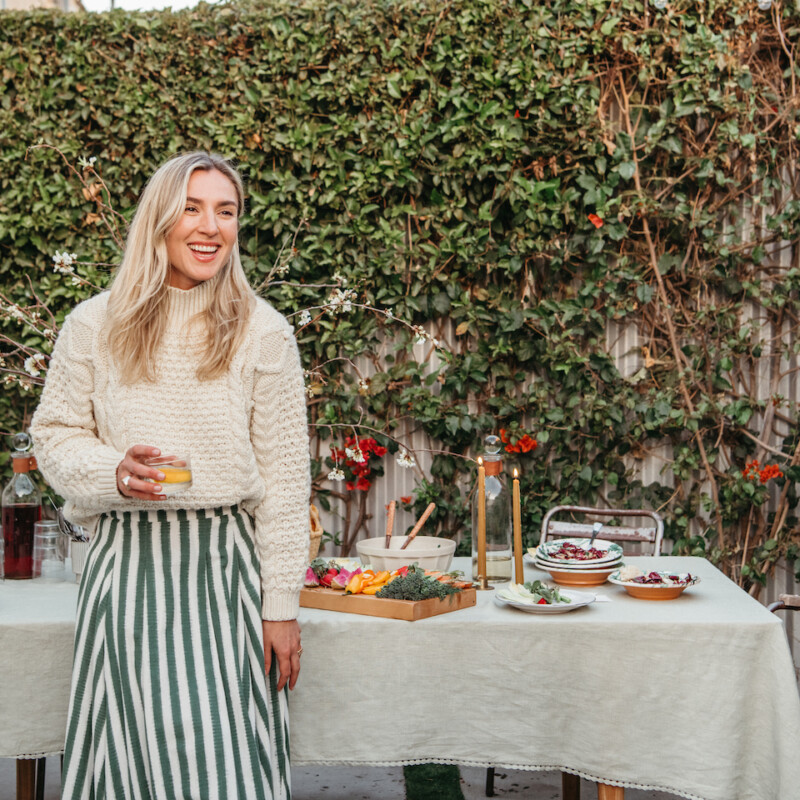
(482, 520)
(519, 571)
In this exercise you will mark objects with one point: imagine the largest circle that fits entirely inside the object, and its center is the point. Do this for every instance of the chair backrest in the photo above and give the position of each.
(653, 535)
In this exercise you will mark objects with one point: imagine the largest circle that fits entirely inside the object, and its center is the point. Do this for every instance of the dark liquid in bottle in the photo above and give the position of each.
(18, 539)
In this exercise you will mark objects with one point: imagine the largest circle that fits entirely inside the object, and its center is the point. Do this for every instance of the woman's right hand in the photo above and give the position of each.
(134, 468)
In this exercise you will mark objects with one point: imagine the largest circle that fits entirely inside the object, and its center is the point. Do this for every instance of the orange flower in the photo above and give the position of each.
(526, 444)
(405, 500)
(503, 436)
(512, 448)
(595, 220)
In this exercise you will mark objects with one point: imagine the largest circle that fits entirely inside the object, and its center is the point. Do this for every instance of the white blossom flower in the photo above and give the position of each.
(421, 334)
(363, 386)
(339, 278)
(305, 317)
(355, 454)
(336, 475)
(405, 459)
(389, 313)
(341, 300)
(15, 312)
(62, 262)
(76, 281)
(85, 163)
(34, 365)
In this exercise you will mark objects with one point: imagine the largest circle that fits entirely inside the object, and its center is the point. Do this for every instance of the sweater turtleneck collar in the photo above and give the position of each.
(184, 304)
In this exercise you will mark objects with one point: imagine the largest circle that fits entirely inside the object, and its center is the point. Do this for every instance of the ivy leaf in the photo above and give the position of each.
(627, 169)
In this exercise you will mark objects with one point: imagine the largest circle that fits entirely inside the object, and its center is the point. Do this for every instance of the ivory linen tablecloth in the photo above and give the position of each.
(37, 625)
(695, 696)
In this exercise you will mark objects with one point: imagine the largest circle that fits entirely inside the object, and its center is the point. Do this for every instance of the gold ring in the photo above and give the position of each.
(300, 651)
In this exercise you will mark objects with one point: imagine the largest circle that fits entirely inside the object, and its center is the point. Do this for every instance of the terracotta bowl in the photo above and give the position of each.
(653, 592)
(649, 591)
(593, 577)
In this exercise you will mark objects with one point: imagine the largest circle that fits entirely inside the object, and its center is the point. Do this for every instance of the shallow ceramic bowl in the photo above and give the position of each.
(430, 552)
(589, 577)
(651, 591)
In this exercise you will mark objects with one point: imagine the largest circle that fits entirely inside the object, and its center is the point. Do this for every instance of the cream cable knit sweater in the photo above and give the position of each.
(246, 432)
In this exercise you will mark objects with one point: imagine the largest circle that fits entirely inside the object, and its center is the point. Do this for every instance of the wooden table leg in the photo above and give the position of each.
(26, 778)
(605, 792)
(570, 786)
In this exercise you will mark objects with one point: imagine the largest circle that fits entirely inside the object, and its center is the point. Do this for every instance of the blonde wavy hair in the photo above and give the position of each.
(137, 304)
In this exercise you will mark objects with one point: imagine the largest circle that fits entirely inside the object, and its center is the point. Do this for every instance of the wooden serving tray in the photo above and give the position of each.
(337, 600)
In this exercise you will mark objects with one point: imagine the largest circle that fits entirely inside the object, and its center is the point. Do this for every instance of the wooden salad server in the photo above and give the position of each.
(416, 529)
(390, 522)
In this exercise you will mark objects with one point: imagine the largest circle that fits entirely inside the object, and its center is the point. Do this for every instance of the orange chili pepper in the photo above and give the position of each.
(355, 584)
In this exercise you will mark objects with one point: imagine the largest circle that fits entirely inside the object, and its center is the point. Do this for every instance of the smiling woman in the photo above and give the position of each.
(201, 241)
(188, 599)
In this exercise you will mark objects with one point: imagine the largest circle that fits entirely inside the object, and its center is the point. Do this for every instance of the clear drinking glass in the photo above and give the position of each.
(48, 552)
(177, 471)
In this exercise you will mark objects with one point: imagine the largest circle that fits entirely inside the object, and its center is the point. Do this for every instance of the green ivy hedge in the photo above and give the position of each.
(519, 173)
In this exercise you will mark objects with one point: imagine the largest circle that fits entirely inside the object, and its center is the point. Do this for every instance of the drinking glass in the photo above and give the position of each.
(177, 471)
(48, 553)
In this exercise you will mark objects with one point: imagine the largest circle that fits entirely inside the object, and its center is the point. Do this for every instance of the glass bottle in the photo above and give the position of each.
(498, 518)
(22, 507)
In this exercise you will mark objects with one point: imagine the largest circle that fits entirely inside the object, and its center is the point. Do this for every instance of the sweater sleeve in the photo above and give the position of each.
(73, 460)
(279, 433)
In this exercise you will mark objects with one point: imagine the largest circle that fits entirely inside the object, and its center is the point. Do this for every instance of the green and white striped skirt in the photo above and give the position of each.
(169, 697)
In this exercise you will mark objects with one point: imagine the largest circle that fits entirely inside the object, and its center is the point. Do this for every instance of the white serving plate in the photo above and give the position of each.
(579, 600)
(583, 566)
(611, 549)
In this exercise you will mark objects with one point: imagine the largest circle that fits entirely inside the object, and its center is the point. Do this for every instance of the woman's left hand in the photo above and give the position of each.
(283, 639)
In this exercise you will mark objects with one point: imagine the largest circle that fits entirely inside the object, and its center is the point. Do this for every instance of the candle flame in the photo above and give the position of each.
(516, 473)
(480, 461)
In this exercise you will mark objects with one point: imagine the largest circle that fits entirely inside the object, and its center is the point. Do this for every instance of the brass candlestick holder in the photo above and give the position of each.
(483, 583)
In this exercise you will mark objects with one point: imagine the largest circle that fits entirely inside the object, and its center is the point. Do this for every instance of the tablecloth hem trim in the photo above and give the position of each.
(648, 787)
(34, 755)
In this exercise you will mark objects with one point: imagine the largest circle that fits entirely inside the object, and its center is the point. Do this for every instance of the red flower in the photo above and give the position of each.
(503, 436)
(516, 114)
(526, 444)
(405, 500)
(512, 448)
(362, 485)
(595, 220)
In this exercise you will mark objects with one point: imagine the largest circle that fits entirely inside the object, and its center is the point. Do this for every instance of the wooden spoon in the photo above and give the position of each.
(390, 522)
(420, 522)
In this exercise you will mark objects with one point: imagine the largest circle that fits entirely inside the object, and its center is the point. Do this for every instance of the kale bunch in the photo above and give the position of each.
(415, 586)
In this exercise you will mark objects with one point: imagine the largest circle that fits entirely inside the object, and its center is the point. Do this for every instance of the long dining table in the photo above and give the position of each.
(694, 696)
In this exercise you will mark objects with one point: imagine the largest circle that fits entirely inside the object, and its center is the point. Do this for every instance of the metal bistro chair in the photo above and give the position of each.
(652, 535)
(791, 602)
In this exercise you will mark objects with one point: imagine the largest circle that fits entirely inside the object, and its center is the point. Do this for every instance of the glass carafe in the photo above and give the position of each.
(498, 517)
(22, 508)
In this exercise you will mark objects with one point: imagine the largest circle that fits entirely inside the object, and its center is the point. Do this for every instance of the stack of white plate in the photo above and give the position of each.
(591, 570)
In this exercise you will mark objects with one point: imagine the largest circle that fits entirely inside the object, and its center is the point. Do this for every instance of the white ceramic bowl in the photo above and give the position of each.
(430, 552)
